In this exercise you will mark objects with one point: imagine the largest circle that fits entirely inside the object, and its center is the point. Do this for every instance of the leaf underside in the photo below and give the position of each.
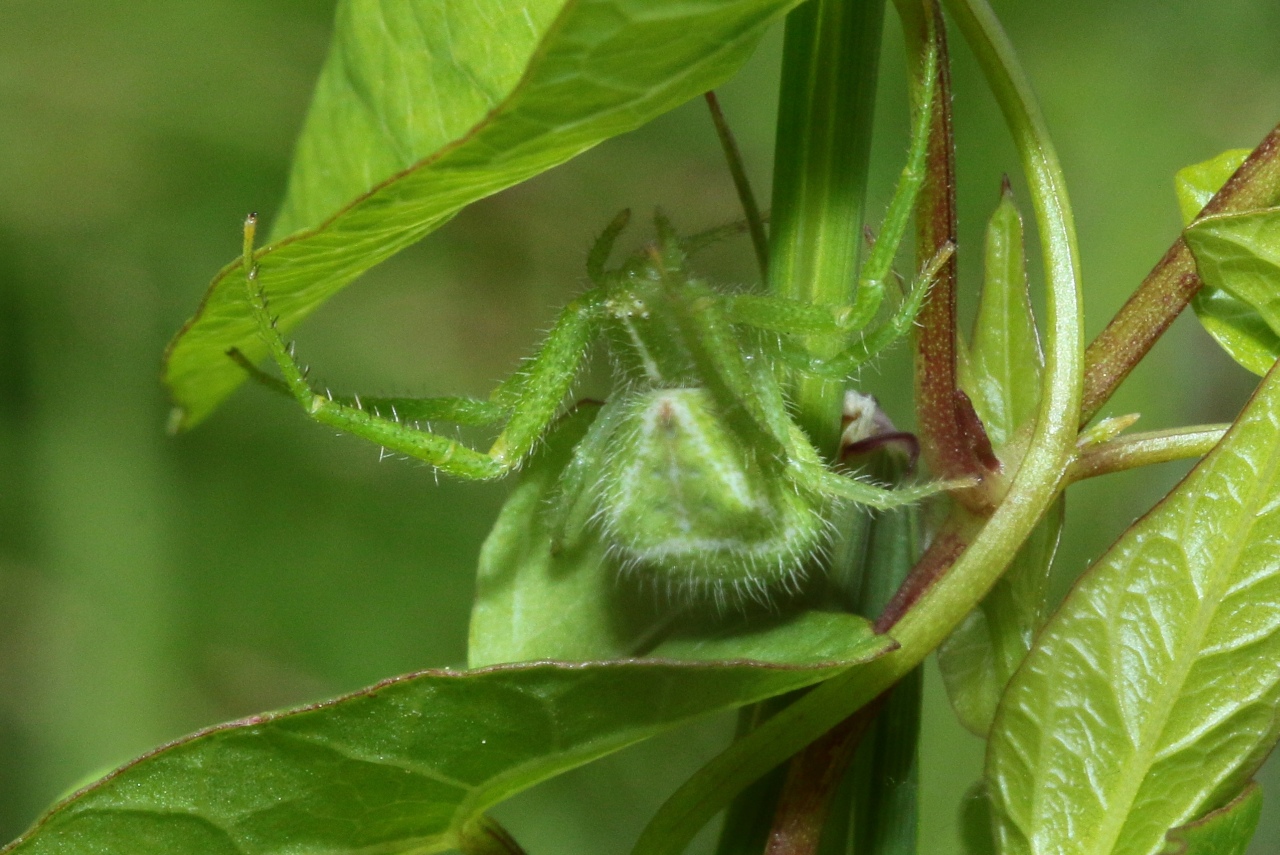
(1150, 698)
(424, 107)
(1238, 257)
(401, 766)
(1232, 320)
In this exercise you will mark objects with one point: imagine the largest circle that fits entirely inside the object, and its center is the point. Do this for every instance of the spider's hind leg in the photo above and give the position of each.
(546, 380)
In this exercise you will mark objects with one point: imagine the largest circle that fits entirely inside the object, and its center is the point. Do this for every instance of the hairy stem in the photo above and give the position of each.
(1172, 283)
(830, 55)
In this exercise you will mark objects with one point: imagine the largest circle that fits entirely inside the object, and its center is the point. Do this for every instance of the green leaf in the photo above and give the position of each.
(423, 108)
(983, 652)
(1002, 366)
(1238, 256)
(1232, 321)
(1241, 331)
(1150, 697)
(402, 766)
(1195, 185)
(534, 603)
(1001, 374)
(1225, 831)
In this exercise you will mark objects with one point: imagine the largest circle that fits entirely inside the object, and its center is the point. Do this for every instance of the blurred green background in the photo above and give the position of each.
(152, 585)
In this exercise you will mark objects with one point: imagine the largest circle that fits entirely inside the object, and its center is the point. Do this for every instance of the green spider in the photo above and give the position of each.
(693, 470)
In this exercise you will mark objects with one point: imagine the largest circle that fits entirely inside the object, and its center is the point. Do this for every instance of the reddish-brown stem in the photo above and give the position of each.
(948, 544)
(811, 783)
(944, 417)
(1172, 283)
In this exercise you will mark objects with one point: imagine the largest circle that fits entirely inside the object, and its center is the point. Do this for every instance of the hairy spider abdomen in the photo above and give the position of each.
(684, 497)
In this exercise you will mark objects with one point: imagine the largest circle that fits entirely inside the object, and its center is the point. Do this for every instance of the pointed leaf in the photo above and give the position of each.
(1001, 374)
(402, 766)
(1225, 831)
(1151, 696)
(1232, 321)
(423, 108)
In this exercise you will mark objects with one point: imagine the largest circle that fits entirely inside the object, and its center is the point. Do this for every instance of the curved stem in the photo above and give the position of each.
(1034, 487)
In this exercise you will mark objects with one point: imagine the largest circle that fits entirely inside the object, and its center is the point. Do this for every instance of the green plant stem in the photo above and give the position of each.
(738, 170)
(1172, 283)
(1145, 449)
(831, 51)
(1035, 486)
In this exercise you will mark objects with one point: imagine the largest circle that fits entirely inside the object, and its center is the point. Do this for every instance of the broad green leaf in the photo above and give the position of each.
(1232, 321)
(1225, 831)
(402, 766)
(1151, 696)
(1001, 374)
(533, 603)
(1238, 257)
(424, 107)
(1241, 331)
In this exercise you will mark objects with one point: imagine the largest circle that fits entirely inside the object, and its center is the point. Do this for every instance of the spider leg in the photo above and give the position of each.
(876, 340)
(772, 314)
(547, 379)
(837, 486)
(471, 412)
(795, 317)
(746, 390)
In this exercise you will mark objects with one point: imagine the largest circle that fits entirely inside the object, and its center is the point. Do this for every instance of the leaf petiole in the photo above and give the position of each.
(1145, 449)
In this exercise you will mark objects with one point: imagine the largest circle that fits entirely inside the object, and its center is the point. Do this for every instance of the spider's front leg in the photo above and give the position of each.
(532, 399)
(753, 384)
(871, 343)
